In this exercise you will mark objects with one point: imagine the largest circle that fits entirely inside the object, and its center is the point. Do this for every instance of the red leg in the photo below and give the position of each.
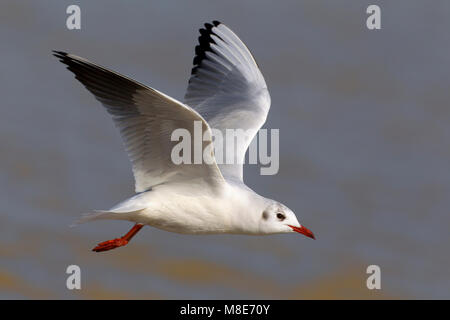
(119, 242)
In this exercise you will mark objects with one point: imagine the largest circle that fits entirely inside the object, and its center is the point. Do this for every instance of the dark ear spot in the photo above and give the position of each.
(265, 215)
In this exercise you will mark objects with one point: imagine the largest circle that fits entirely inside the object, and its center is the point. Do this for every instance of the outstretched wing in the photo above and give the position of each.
(146, 119)
(227, 88)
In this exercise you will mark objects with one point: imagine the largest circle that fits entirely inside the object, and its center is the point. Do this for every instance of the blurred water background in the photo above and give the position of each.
(364, 124)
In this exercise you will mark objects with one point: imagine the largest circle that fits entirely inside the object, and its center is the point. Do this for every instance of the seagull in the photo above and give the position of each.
(226, 90)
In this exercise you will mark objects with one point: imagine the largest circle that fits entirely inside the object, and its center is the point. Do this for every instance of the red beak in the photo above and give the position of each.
(304, 231)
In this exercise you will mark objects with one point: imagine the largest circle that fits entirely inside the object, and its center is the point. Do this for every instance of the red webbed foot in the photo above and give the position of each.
(118, 242)
(110, 244)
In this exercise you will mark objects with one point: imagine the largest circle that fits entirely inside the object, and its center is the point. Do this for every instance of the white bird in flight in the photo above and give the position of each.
(226, 91)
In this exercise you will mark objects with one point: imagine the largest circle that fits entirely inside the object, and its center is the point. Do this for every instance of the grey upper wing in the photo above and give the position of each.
(146, 119)
(227, 88)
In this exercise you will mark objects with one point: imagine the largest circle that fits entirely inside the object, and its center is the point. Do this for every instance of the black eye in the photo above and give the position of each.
(281, 216)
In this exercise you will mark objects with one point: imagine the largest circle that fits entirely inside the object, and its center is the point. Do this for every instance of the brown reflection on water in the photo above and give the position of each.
(343, 284)
(14, 284)
(103, 292)
(197, 272)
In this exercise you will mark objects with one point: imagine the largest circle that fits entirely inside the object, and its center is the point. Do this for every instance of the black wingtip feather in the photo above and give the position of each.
(204, 44)
(59, 53)
(62, 56)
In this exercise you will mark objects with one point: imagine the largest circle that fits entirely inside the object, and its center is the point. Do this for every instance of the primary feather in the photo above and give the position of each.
(227, 88)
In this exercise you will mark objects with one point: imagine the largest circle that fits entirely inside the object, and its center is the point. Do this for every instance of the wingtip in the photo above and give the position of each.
(204, 44)
(59, 54)
(211, 25)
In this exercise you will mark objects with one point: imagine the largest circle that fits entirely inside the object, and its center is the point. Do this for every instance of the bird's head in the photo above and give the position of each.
(277, 218)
